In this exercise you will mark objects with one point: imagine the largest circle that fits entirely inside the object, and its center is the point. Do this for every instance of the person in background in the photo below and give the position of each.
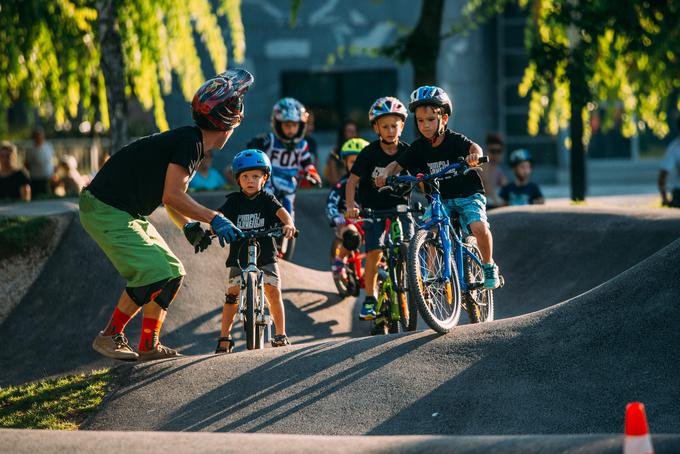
(67, 181)
(14, 183)
(40, 163)
(206, 178)
(492, 175)
(671, 163)
(311, 141)
(521, 191)
(335, 168)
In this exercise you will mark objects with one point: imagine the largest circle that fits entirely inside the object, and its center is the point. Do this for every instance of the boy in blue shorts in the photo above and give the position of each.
(437, 148)
(254, 209)
(387, 116)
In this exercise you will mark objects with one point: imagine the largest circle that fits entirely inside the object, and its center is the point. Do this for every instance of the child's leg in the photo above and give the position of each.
(229, 311)
(273, 294)
(371, 274)
(484, 240)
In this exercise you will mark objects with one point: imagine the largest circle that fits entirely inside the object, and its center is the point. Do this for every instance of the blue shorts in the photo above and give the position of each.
(375, 232)
(467, 209)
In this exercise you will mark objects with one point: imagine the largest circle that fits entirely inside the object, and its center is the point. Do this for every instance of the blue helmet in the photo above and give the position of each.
(520, 155)
(251, 159)
(429, 95)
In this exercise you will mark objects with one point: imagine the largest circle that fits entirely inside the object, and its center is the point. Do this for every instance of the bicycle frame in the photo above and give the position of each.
(442, 222)
(261, 316)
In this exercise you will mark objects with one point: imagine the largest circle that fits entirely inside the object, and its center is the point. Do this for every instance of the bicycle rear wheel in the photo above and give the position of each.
(438, 301)
(342, 285)
(251, 302)
(479, 301)
(408, 311)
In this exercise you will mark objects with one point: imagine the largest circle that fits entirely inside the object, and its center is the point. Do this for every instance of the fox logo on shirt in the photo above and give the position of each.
(437, 166)
(377, 171)
(249, 221)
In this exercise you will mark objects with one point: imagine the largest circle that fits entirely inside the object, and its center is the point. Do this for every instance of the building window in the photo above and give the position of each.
(340, 95)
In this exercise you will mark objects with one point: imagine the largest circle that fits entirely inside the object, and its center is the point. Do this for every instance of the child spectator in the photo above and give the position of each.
(14, 183)
(521, 191)
(206, 177)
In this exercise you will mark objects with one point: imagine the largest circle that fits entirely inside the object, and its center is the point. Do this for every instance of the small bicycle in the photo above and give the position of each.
(351, 281)
(253, 309)
(395, 310)
(445, 267)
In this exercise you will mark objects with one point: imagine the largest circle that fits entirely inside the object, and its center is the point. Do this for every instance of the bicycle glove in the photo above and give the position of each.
(197, 237)
(225, 230)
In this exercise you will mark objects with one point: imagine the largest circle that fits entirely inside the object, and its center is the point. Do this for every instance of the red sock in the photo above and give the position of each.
(117, 323)
(150, 330)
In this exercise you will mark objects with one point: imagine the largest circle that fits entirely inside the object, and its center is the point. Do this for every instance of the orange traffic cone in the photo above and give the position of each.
(637, 439)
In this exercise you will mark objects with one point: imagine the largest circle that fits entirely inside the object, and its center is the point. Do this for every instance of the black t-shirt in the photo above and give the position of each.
(10, 185)
(370, 163)
(422, 157)
(521, 195)
(134, 178)
(257, 213)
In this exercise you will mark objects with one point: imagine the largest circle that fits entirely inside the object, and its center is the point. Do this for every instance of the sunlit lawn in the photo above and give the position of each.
(59, 404)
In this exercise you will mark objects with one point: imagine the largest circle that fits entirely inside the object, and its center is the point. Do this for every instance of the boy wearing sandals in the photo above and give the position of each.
(254, 209)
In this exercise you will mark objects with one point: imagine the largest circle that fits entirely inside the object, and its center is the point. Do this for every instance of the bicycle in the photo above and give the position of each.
(252, 309)
(444, 268)
(353, 282)
(395, 311)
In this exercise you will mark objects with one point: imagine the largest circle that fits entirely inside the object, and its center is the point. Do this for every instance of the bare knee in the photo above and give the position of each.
(479, 229)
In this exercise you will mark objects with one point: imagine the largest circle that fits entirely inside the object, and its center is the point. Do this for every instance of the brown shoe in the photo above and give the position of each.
(116, 347)
(159, 352)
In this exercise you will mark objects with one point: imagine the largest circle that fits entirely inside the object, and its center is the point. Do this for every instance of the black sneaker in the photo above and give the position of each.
(222, 348)
(280, 340)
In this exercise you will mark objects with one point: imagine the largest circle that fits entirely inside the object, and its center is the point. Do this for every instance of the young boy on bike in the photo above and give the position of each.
(254, 209)
(335, 205)
(287, 150)
(521, 191)
(387, 116)
(438, 147)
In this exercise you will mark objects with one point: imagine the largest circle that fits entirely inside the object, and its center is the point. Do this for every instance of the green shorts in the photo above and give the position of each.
(132, 244)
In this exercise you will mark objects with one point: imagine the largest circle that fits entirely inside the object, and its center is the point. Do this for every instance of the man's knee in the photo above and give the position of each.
(479, 228)
(162, 292)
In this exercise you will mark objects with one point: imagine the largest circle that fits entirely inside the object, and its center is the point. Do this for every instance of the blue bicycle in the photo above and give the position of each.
(444, 265)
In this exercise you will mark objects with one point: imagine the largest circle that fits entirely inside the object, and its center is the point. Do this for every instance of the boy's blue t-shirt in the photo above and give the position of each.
(213, 181)
(521, 195)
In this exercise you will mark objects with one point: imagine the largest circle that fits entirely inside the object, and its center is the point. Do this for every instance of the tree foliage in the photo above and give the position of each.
(619, 55)
(51, 55)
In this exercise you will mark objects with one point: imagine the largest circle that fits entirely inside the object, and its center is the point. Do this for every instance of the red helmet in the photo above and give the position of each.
(218, 104)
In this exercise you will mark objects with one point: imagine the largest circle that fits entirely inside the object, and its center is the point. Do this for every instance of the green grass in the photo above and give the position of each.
(59, 404)
(18, 235)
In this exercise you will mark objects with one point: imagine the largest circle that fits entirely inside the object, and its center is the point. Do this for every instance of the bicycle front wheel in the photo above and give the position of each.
(251, 302)
(479, 301)
(342, 285)
(438, 300)
(408, 311)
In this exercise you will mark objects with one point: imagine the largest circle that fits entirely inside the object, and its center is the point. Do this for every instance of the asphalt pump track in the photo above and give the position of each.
(587, 322)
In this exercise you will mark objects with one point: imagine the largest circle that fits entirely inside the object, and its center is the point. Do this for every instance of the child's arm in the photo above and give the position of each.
(393, 168)
(288, 226)
(350, 190)
(475, 152)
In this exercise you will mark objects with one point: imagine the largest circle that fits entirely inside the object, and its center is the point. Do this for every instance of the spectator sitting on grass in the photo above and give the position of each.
(67, 181)
(206, 178)
(14, 184)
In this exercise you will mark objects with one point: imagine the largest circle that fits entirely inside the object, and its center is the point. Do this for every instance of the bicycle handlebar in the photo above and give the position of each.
(269, 233)
(460, 165)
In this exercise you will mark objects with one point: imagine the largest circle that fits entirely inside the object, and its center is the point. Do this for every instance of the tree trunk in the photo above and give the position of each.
(578, 98)
(422, 46)
(113, 68)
